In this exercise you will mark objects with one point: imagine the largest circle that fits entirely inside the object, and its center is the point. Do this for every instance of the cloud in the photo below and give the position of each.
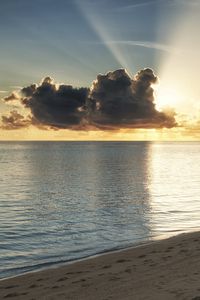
(58, 107)
(117, 101)
(145, 44)
(29, 90)
(18, 87)
(138, 5)
(15, 121)
(114, 101)
(12, 97)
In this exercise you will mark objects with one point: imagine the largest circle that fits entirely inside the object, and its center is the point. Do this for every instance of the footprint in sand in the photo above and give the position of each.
(170, 248)
(152, 265)
(77, 281)
(122, 260)
(146, 261)
(62, 279)
(11, 295)
(128, 271)
(11, 286)
(33, 286)
(141, 256)
(183, 250)
(85, 285)
(70, 273)
(80, 272)
(107, 267)
(114, 278)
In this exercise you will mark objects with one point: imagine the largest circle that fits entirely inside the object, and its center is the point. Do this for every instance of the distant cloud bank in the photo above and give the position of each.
(114, 101)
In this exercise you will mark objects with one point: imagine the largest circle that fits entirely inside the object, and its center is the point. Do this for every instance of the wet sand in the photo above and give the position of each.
(165, 269)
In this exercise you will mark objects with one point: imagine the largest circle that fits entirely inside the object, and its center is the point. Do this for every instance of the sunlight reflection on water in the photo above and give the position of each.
(63, 201)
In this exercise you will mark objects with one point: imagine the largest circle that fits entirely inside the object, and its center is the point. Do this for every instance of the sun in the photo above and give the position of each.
(166, 96)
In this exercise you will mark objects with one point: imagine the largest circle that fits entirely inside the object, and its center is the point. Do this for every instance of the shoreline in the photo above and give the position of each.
(159, 269)
(55, 265)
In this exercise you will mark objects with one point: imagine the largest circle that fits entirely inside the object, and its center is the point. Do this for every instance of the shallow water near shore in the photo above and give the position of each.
(61, 201)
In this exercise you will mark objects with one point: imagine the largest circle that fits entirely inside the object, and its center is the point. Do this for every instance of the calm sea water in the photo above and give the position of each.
(61, 201)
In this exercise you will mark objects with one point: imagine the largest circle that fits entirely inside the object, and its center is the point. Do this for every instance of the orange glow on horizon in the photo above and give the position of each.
(34, 134)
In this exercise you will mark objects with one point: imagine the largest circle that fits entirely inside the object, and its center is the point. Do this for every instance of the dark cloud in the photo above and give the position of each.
(59, 107)
(118, 101)
(29, 90)
(114, 101)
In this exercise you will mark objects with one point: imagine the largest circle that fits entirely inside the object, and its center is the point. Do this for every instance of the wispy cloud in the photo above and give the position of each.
(186, 2)
(16, 87)
(145, 44)
(138, 5)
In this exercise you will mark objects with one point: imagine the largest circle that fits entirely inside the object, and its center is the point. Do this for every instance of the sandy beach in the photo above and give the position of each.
(164, 269)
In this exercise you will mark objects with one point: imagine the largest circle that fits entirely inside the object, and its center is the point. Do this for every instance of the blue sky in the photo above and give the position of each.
(60, 38)
(73, 41)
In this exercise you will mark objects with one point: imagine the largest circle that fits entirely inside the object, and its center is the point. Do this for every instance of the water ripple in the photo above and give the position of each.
(64, 201)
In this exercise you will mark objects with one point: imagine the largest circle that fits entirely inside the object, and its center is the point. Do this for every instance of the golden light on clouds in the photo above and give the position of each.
(178, 89)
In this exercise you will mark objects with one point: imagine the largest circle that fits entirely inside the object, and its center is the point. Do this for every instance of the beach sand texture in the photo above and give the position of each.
(164, 269)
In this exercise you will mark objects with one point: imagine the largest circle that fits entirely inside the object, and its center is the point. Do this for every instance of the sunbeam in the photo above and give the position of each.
(142, 57)
(90, 12)
(179, 74)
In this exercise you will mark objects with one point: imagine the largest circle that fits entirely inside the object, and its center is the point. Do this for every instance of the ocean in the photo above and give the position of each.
(63, 201)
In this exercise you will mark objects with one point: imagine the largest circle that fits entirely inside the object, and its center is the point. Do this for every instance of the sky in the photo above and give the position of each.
(89, 62)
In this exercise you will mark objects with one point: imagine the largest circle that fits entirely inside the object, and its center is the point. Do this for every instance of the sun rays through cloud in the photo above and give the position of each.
(103, 29)
(177, 67)
(97, 43)
(179, 74)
